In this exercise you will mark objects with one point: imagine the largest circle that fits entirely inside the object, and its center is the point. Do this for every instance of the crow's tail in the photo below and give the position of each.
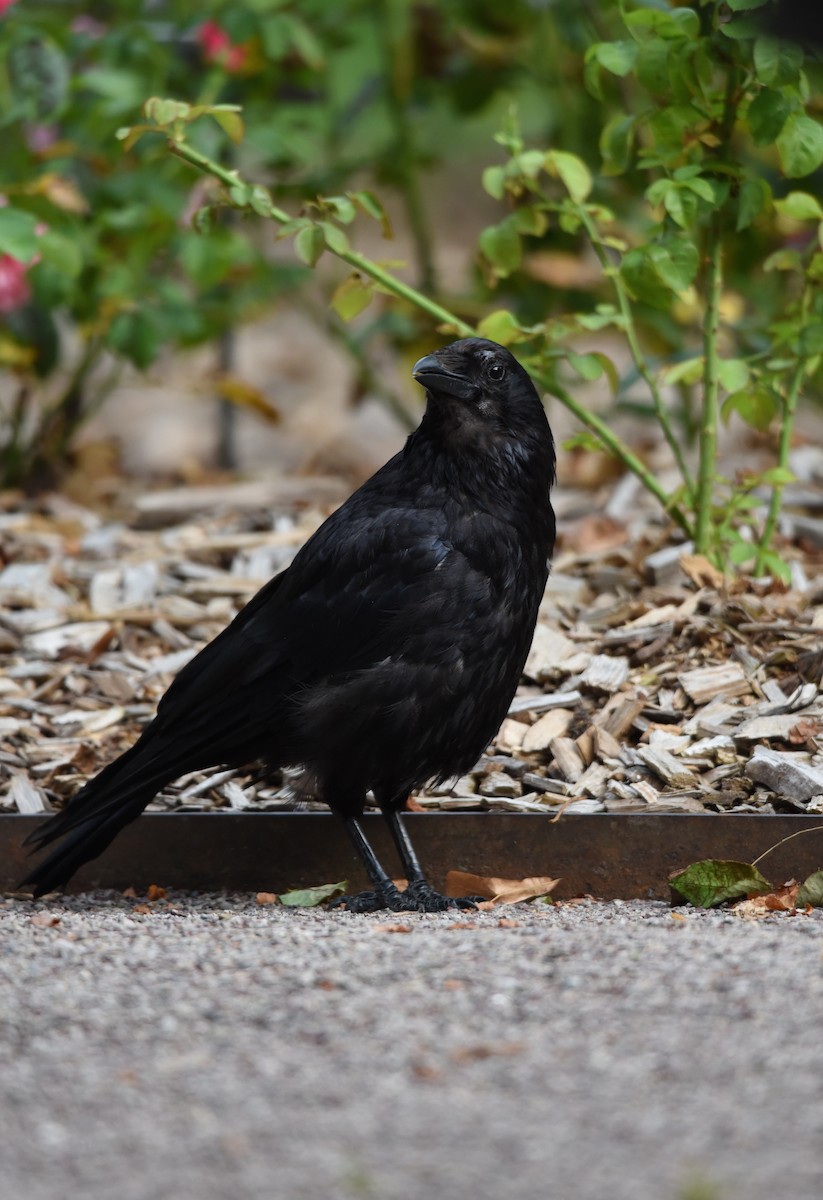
(98, 812)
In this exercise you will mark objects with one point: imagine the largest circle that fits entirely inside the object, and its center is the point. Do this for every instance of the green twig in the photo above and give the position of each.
(404, 292)
(786, 428)
(638, 357)
(711, 389)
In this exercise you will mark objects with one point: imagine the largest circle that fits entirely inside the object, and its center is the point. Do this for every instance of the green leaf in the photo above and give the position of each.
(616, 144)
(17, 234)
(785, 259)
(371, 205)
(494, 182)
(351, 297)
(800, 206)
(676, 261)
(778, 477)
(61, 252)
(309, 244)
(653, 66)
(745, 5)
(573, 172)
(230, 122)
(136, 336)
(811, 891)
(342, 207)
(501, 246)
(616, 57)
(40, 76)
(588, 366)
(311, 897)
(811, 339)
(335, 238)
(767, 115)
(676, 23)
(733, 373)
(260, 200)
(708, 883)
(501, 326)
(800, 145)
(640, 276)
(681, 205)
(754, 198)
(163, 112)
(757, 406)
(689, 371)
(777, 63)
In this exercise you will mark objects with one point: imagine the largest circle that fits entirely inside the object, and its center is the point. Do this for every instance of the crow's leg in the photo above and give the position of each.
(419, 896)
(384, 894)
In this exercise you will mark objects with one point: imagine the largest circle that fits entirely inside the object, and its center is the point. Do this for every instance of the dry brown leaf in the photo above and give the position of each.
(701, 571)
(780, 900)
(129, 894)
(508, 923)
(156, 893)
(502, 891)
(45, 920)
(266, 898)
(392, 928)
(594, 533)
(142, 908)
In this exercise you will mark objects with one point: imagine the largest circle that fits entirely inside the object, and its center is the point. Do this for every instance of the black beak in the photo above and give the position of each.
(434, 377)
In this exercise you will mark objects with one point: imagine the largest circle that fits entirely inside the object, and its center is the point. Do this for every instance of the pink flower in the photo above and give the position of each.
(14, 287)
(4, 4)
(218, 47)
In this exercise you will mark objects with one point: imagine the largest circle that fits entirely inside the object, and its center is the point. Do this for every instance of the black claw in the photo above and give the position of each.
(418, 897)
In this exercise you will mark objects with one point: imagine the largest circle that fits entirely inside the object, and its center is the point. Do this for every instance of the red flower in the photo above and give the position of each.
(218, 47)
(4, 4)
(14, 287)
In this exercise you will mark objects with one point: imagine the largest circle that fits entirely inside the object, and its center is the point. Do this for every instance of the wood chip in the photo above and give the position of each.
(605, 673)
(548, 649)
(618, 714)
(706, 683)
(567, 758)
(540, 735)
(26, 797)
(666, 766)
(787, 774)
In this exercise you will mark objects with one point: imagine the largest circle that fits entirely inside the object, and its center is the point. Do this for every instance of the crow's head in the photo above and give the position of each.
(476, 386)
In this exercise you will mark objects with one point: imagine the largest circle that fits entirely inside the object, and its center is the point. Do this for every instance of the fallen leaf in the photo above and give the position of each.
(462, 925)
(501, 891)
(811, 891)
(266, 898)
(129, 894)
(392, 928)
(45, 920)
(701, 571)
(508, 923)
(453, 985)
(708, 883)
(155, 892)
(142, 908)
(311, 897)
(594, 533)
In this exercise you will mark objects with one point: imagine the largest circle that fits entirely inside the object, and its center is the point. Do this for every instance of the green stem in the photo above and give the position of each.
(454, 323)
(396, 41)
(786, 428)
(638, 357)
(711, 389)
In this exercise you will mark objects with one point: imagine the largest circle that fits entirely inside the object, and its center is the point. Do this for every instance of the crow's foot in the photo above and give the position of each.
(419, 896)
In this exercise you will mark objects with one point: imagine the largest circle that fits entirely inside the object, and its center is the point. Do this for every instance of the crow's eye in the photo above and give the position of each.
(496, 372)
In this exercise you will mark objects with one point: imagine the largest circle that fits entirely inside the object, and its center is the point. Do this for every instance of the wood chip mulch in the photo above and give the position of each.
(654, 685)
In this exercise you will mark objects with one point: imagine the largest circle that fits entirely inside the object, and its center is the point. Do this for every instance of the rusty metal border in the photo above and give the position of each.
(610, 856)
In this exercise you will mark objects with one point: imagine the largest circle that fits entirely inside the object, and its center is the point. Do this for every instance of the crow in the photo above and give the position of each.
(387, 653)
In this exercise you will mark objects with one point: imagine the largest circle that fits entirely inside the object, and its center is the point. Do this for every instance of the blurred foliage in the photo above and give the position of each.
(646, 188)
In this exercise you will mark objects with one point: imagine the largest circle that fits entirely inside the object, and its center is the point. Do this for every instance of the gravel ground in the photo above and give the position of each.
(206, 1047)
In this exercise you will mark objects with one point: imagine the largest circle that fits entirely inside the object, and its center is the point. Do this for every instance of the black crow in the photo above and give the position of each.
(388, 652)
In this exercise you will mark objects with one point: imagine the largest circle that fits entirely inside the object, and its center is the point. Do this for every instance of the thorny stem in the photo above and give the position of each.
(711, 388)
(638, 357)
(454, 323)
(784, 446)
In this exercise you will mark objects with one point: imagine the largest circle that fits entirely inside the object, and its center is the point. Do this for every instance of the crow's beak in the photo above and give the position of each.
(434, 377)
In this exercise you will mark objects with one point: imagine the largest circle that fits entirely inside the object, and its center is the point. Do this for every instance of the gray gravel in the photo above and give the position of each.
(212, 1048)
